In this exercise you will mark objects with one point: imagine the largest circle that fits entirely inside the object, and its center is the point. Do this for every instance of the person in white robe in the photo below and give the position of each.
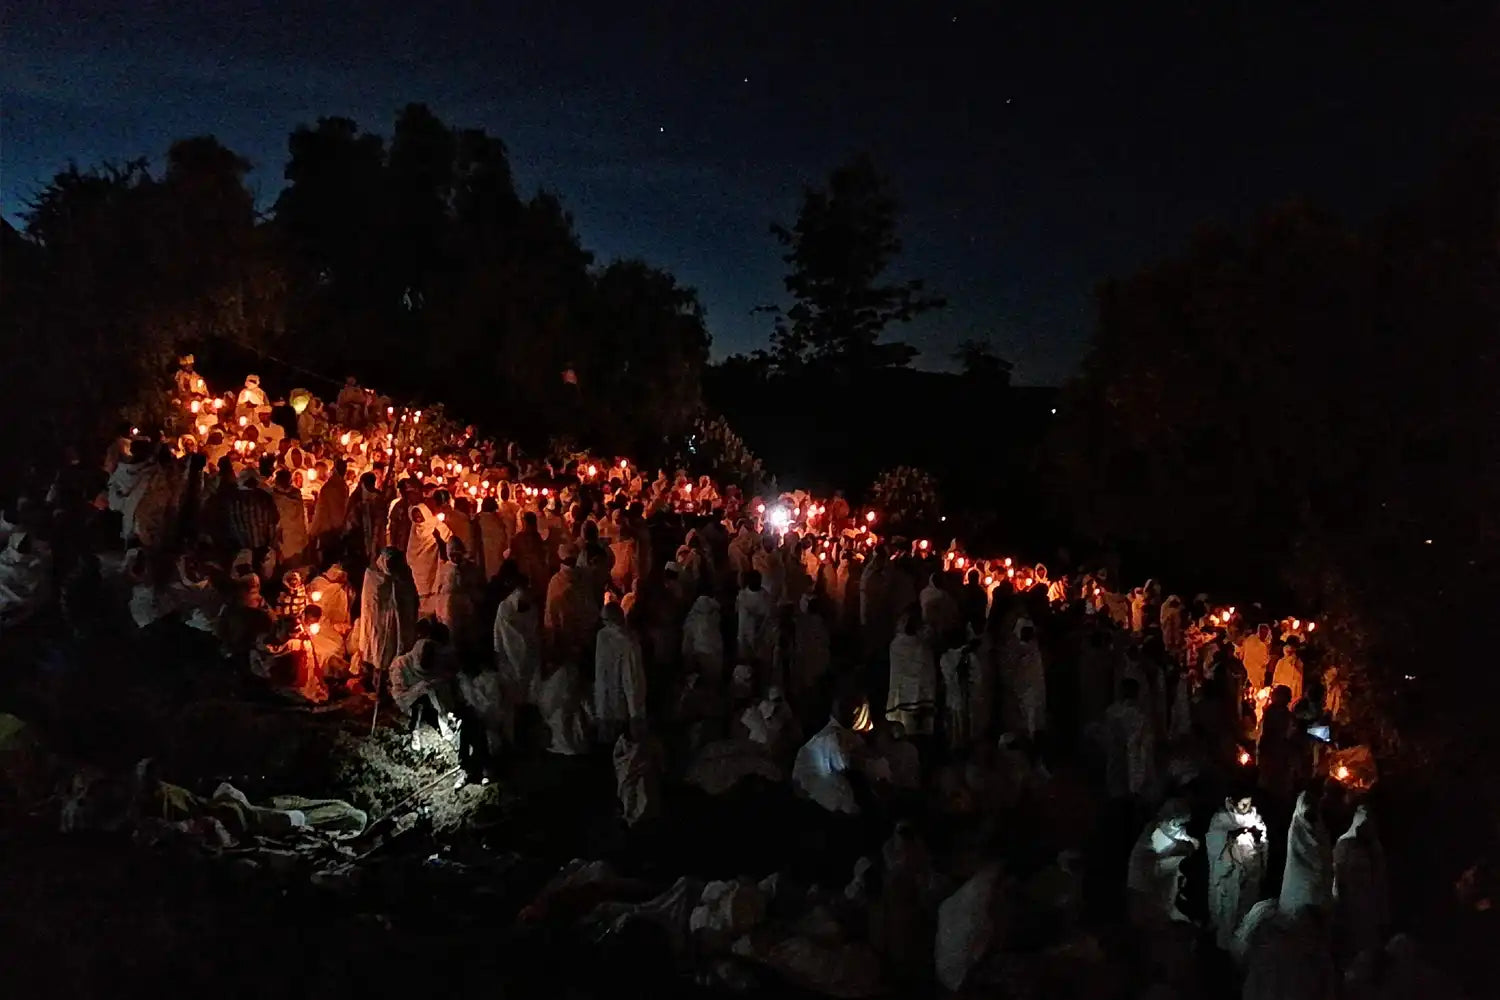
(822, 768)
(428, 534)
(962, 674)
(1361, 893)
(1236, 846)
(1130, 745)
(772, 724)
(560, 702)
(1288, 671)
(453, 603)
(1255, 654)
(494, 538)
(769, 563)
(143, 491)
(753, 633)
(1308, 878)
(912, 697)
(940, 611)
(417, 688)
(252, 396)
(638, 759)
(387, 613)
(292, 546)
(1286, 954)
(619, 677)
(1023, 677)
(703, 641)
(1155, 872)
(571, 614)
(1173, 618)
(518, 643)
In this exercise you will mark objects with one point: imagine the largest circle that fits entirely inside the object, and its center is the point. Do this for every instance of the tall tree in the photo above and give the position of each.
(838, 253)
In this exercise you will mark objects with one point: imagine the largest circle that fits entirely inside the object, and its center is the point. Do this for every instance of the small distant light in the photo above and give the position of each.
(943, 519)
(317, 596)
(442, 516)
(870, 517)
(314, 628)
(1427, 542)
(1410, 677)
(1054, 411)
(1244, 757)
(1342, 773)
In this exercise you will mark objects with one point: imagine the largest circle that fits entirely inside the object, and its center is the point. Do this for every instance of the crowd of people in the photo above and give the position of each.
(917, 702)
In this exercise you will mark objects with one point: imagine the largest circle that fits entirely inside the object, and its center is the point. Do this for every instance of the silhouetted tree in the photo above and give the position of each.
(980, 363)
(838, 251)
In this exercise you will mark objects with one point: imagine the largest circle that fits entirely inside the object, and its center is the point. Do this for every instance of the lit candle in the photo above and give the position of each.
(1342, 773)
(311, 475)
(870, 517)
(390, 411)
(1007, 563)
(218, 404)
(1244, 756)
(419, 452)
(593, 470)
(202, 428)
(344, 439)
(244, 421)
(1312, 626)
(317, 596)
(442, 516)
(313, 628)
(195, 406)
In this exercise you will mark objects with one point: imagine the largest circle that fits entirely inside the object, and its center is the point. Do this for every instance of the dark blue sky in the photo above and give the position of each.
(1038, 148)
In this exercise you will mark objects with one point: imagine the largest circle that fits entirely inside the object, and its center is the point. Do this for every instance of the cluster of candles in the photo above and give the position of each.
(782, 517)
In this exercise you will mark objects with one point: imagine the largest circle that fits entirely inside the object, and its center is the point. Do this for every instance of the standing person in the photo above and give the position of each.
(911, 698)
(1361, 894)
(365, 520)
(1308, 879)
(619, 678)
(1288, 670)
(252, 519)
(571, 613)
(398, 514)
(1130, 747)
(1024, 679)
(1155, 874)
(752, 609)
(387, 613)
(330, 510)
(291, 515)
(703, 641)
(425, 547)
(494, 538)
(517, 637)
(1237, 848)
(530, 553)
(1255, 654)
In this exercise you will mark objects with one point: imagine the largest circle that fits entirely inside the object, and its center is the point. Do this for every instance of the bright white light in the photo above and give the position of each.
(779, 517)
(1054, 411)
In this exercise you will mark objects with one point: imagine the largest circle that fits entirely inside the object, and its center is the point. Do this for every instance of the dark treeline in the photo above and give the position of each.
(412, 263)
(1309, 409)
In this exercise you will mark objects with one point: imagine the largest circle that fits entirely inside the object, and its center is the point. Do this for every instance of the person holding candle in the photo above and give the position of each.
(331, 508)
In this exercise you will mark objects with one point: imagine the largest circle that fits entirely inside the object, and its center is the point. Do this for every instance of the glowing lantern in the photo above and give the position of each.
(317, 596)
(195, 406)
(344, 439)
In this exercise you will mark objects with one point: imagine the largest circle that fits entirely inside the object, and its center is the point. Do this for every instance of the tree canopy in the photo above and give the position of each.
(411, 262)
(838, 252)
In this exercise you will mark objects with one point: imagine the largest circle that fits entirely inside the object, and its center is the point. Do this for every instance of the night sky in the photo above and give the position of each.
(1037, 147)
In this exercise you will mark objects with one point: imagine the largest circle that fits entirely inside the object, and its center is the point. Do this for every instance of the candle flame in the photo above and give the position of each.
(218, 404)
(1244, 756)
(344, 438)
(314, 628)
(1342, 773)
(870, 517)
(195, 406)
(312, 475)
(244, 421)
(442, 516)
(317, 596)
